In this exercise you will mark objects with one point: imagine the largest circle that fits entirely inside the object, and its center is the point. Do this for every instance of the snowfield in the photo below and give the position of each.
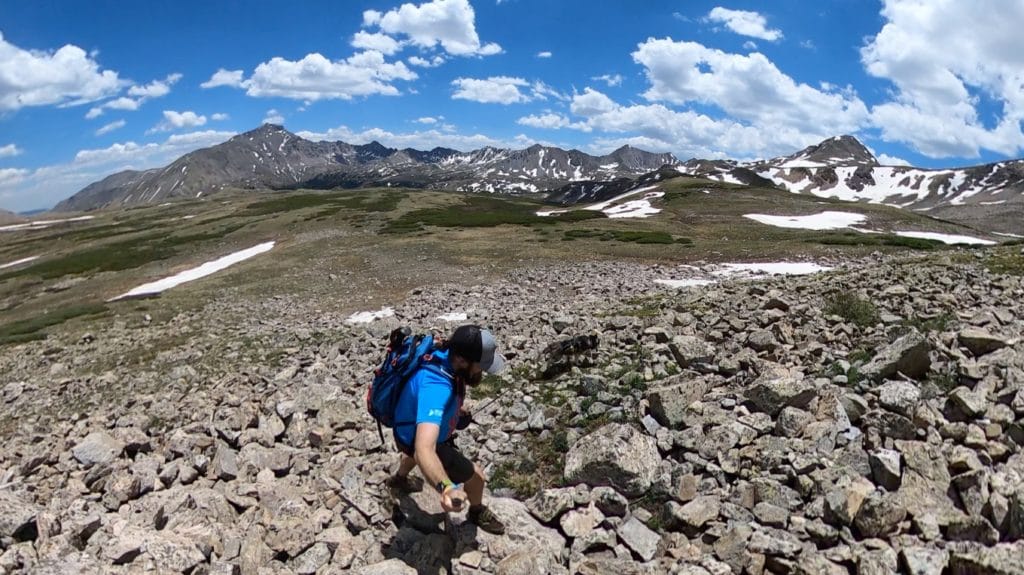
(774, 268)
(950, 239)
(824, 221)
(209, 268)
(454, 316)
(42, 224)
(616, 208)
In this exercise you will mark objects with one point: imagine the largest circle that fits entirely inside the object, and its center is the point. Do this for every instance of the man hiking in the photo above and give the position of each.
(430, 407)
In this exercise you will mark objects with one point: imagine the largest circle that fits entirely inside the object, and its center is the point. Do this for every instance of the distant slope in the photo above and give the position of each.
(272, 157)
(10, 218)
(990, 196)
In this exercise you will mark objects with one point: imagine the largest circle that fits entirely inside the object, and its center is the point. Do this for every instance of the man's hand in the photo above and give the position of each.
(453, 498)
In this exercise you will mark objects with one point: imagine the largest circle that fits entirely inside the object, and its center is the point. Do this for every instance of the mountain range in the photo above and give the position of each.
(989, 197)
(271, 157)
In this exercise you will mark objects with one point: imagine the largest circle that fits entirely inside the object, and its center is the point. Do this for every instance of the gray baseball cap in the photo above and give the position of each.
(478, 344)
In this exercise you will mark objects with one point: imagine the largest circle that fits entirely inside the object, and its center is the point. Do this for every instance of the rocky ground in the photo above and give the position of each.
(867, 420)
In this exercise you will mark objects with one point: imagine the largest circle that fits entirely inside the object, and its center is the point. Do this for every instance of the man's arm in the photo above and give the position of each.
(426, 453)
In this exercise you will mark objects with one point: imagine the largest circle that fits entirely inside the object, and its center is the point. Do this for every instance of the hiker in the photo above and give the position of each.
(428, 411)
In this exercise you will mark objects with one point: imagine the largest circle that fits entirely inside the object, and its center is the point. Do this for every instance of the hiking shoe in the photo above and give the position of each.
(485, 519)
(407, 484)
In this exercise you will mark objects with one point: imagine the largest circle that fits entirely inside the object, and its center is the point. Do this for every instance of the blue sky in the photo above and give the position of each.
(87, 89)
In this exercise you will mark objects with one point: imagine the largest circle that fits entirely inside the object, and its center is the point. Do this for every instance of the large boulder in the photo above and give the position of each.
(689, 350)
(907, 355)
(17, 517)
(1002, 559)
(777, 388)
(981, 342)
(97, 448)
(616, 455)
(668, 403)
(524, 537)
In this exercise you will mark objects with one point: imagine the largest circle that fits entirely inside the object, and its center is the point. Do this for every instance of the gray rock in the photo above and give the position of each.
(844, 502)
(173, 553)
(1001, 559)
(549, 504)
(689, 350)
(778, 388)
(17, 516)
(975, 528)
(771, 515)
(971, 403)
(97, 448)
(389, 567)
(225, 462)
(908, 355)
(792, 421)
(774, 542)
(609, 501)
(762, 340)
(312, 559)
(880, 515)
(885, 468)
(899, 396)
(616, 455)
(639, 538)
(923, 560)
(668, 403)
(581, 522)
(980, 342)
(697, 512)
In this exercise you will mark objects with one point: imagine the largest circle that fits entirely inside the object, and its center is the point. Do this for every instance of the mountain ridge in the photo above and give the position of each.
(272, 157)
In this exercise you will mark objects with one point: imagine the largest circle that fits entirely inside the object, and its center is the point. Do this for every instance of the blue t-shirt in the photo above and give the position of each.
(427, 398)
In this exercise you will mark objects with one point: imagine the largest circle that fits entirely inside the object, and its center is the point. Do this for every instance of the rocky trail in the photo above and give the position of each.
(866, 420)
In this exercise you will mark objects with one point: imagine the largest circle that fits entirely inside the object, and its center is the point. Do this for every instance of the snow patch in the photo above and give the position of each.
(454, 316)
(949, 239)
(18, 262)
(684, 283)
(824, 221)
(370, 316)
(202, 271)
(1008, 235)
(774, 268)
(40, 224)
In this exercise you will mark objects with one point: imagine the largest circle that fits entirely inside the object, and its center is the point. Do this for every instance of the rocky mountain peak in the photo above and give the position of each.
(838, 151)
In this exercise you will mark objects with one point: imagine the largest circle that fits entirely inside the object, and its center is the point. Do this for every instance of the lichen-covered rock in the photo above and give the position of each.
(908, 355)
(615, 455)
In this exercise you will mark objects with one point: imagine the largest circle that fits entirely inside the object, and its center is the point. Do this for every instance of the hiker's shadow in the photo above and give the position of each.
(428, 539)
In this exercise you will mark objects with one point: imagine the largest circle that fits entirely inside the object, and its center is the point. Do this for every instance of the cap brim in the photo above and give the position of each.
(496, 366)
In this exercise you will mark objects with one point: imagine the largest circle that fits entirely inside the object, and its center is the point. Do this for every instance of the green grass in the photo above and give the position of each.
(118, 256)
(329, 204)
(1006, 263)
(32, 329)
(859, 239)
(851, 307)
(483, 212)
(537, 467)
(637, 237)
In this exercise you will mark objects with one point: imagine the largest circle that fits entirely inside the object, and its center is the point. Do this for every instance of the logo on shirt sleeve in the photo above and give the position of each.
(435, 413)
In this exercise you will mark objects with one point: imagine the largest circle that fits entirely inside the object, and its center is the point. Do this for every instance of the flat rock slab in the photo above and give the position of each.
(615, 455)
(17, 516)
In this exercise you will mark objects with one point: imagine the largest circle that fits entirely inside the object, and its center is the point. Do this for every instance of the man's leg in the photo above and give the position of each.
(475, 487)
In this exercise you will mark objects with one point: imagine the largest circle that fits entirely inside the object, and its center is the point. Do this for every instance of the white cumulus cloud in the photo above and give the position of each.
(67, 76)
(611, 80)
(424, 63)
(137, 95)
(107, 128)
(222, 77)
(376, 41)
(551, 121)
(887, 160)
(317, 78)
(941, 57)
(747, 87)
(744, 23)
(493, 90)
(448, 23)
(273, 117)
(544, 54)
(219, 117)
(9, 151)
(177, 120)
(421, 140)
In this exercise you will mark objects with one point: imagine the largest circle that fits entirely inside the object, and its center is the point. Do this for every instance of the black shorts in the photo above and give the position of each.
(458, 467)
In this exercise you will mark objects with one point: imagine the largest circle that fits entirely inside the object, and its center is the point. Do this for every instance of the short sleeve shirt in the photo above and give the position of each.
(428, 398)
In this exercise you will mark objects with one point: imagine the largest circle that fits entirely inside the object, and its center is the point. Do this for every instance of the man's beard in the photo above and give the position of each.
(468, 377)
